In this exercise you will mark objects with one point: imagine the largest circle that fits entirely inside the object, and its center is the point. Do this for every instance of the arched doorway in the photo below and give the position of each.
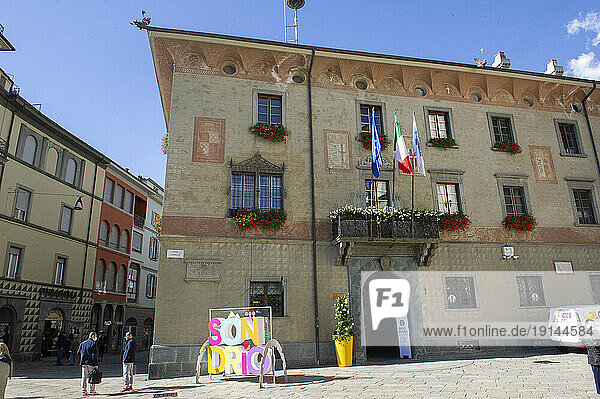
(7, 322)
(147, 335)
(53, 325)
(131, 325)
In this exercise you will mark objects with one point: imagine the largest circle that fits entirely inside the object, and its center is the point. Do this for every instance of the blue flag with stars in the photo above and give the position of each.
(377, 161)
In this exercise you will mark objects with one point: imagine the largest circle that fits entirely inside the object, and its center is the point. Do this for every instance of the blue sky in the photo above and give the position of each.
(93, 73)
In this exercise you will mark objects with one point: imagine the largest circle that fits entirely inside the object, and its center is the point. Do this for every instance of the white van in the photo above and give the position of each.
(571, 325)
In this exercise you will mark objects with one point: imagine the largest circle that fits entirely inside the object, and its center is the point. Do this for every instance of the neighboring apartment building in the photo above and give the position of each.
(214, 88)
(51, 194)
(126, 258)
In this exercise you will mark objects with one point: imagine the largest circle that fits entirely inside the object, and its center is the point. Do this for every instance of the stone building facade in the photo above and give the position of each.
(214, 88)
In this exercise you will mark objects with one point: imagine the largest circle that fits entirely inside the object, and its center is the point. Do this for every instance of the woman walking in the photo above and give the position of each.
(6, 368)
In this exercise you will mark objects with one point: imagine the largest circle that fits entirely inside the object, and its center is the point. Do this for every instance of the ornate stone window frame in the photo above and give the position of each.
(511, 122)
(269, 92)
(365, 173)
(448, 111)
(471, 276)
(256, 165)
(543, 284)
(561, 147)
(270, 279)
(358, 103)
(448, 176)
(514, 180)
(583, 183)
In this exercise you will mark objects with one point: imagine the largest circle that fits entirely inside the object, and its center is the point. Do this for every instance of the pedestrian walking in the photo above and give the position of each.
(128, 360)
(73, 346)
(101, 346)
(88, 359)
(6, 368)
(61, 346)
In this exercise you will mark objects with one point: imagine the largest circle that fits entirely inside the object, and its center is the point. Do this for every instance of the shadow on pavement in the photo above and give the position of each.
(293, 379)
(47, 369)
(153, 389)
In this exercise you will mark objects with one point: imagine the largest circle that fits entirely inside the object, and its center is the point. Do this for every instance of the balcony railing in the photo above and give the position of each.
(3, 151)
(351, 227)
(138, 221)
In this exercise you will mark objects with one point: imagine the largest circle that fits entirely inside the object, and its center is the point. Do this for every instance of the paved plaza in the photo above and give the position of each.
(542, 376)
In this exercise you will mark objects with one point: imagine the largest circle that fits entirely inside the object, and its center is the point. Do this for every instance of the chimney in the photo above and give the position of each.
(553, 68)
(500, 61)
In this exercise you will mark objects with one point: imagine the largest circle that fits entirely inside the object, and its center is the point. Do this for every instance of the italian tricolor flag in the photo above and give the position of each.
(401, 152)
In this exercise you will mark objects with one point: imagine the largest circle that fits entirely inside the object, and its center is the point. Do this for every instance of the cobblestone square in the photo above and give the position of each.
(553, 376)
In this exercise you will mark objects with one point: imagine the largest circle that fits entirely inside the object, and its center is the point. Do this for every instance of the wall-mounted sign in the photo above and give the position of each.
(202, 270)
(175, 253)
(563, 267)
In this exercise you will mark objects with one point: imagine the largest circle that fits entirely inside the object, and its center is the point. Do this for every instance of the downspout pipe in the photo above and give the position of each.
(312, 210)
(589, 125)
(87, 238)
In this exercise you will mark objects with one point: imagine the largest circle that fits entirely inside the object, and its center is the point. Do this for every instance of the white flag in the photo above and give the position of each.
(416, 147)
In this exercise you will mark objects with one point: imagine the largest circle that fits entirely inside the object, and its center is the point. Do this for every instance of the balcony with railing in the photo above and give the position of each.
(366, 228)
(138, 221)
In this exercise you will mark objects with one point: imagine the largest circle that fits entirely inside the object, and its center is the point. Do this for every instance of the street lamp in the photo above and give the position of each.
(78, 204)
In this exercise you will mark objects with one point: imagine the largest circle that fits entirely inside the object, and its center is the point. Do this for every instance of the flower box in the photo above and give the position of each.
(253, 218)
(275, 133)
(443, 142)
(454, 221)
(507, 146)
(164, 143)
(520, 222)
(365, 139)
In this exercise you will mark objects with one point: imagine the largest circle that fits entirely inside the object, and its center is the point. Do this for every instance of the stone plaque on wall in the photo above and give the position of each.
(543, 167)
(337, 150)
(209, 140)
(202, 270)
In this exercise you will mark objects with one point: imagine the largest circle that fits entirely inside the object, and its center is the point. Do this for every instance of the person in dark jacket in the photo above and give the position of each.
(88, 359)
(594, 361)
(61, 346)
(128, 360)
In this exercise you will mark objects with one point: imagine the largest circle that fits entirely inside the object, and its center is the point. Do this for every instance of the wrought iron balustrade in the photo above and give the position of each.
(357, 226)
(138, 221)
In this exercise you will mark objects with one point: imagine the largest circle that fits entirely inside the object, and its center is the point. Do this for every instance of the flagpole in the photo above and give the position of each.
(394, 165)
(412, 190)
(372, 191)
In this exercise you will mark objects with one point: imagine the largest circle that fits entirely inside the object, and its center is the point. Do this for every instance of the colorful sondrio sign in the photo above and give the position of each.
(236, 344)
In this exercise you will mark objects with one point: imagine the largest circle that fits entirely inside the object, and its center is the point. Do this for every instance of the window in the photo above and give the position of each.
(114, 238)
(377, 193)
(447, 196)
(153, 252)
(136, 241)
(118, 196)
(121, 279)
(13, 263)
(439, 124)
(269, 193)
(30, 149)
(71, 171)
(111, 277)
(128, 202)
(568, 137)
(109, 187)
(583, 204)
(59, 270)
(367, 112)
(151, 286)
(460, 292)
(264, 293)
(22, 203)
(66, 219)
(595, 285)
(269, 109)
(502, 129)
(124, 244)
(132, 282)
(103, 234)
(242, 191)
(531, 291)
(100, 279)
(514, 201)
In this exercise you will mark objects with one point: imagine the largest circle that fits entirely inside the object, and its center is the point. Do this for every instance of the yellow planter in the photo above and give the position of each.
(343, 351)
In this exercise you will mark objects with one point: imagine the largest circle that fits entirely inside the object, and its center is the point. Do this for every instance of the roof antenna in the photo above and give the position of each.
(294, 5)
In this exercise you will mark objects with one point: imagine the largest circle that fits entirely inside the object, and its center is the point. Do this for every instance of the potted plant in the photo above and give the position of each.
(344, 331)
